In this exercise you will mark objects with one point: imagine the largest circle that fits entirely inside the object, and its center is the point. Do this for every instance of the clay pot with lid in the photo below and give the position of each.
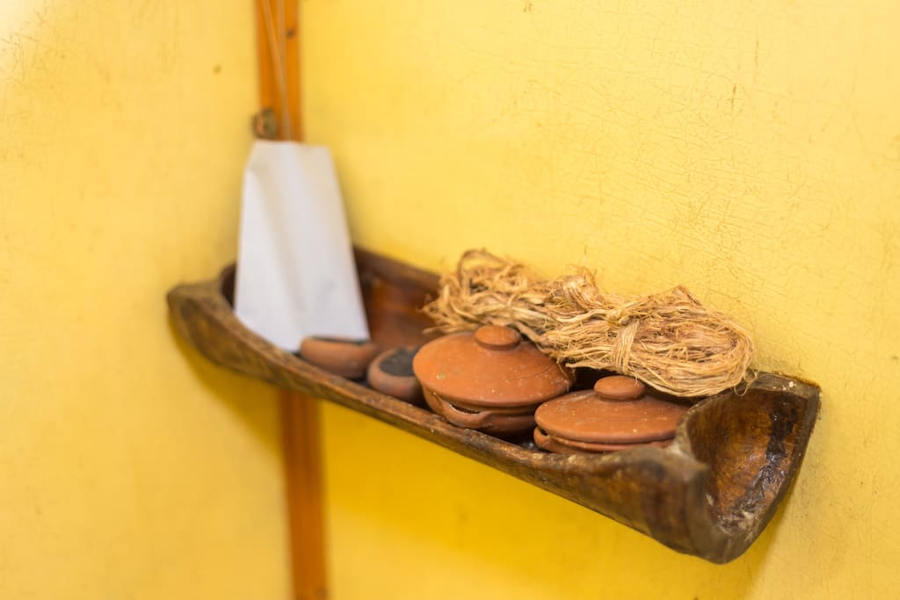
(617, 414)
(491, 380)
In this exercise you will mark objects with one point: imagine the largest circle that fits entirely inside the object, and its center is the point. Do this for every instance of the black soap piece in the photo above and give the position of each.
(399, 362)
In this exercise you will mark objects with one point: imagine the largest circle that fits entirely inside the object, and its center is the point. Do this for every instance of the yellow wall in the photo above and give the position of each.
(752, 153)
(129, 467)
(748, 150)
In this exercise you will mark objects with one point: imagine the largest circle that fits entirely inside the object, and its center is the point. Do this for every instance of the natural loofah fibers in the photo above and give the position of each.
(669, 340)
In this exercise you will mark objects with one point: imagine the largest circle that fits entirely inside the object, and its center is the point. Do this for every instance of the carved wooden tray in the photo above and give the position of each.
(710, 493)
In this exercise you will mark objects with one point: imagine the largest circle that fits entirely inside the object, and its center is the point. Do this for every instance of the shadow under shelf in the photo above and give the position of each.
(710, 493)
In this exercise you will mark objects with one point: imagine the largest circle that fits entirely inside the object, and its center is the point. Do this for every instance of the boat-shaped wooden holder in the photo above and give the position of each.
(709, 493)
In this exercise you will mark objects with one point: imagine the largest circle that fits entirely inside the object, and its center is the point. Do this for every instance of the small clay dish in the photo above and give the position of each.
(391, 373)
(617, 414)
(490, 380)
(345, 357)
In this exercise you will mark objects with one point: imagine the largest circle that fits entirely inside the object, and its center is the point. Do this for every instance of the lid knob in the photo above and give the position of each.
(619, 387)
(497, 337)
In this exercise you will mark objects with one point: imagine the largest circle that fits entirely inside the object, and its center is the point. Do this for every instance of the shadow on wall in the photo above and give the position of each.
(254, 403)
(496, 529)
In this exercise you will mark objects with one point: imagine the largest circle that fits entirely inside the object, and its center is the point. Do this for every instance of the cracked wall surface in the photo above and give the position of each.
(748, 151)
(129, 466)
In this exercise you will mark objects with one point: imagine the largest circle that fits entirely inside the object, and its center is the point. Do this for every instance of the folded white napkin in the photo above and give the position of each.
(295, 274)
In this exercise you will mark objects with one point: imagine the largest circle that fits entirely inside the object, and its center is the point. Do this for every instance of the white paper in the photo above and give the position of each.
(295, 274)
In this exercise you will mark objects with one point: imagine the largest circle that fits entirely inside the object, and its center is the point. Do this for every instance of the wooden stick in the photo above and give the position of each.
(277, 34)
(303, 475)
(278, 56)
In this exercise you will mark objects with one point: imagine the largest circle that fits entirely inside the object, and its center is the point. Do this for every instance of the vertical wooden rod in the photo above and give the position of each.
(303, 475)
(277, 34)
(284, 54)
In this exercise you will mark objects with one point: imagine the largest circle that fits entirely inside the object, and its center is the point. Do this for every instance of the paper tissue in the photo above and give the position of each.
(295, 276)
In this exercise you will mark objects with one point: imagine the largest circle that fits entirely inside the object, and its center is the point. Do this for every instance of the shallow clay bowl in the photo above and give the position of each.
(391, 373)
(345, 357)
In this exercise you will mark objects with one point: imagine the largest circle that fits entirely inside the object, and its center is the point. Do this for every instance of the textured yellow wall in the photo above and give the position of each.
(749, 151)
(129, 467)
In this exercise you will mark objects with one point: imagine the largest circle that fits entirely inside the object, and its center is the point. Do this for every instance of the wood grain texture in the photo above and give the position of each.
(277, 27)
(303, 478)
(710, 493)
(279, 22)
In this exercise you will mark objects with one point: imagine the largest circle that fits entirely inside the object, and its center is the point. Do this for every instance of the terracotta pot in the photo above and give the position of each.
(487, 420)
(563, 446)
(391, 373)
(617, 414)
(490, 380)
(344, 357)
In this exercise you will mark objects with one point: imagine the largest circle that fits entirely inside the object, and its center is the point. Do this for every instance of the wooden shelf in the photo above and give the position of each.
(709, 494)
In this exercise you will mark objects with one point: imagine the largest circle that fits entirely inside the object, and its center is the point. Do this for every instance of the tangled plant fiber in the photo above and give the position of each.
(669, 340)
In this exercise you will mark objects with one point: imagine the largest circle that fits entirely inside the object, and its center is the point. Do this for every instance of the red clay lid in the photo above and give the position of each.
(589, 417)
(493, 367)
(619, 387)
